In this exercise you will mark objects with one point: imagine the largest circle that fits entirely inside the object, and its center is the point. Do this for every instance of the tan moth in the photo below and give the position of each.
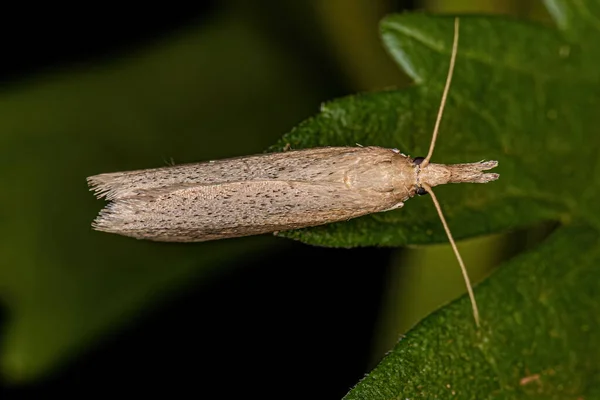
(278, 191)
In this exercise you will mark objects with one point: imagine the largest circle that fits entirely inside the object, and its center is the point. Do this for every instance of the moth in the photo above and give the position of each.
(276, 192)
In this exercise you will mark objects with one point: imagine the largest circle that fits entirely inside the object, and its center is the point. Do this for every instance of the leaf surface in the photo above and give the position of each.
(522, 94)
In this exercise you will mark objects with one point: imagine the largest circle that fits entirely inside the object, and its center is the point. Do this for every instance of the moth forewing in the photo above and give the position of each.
(270, 192)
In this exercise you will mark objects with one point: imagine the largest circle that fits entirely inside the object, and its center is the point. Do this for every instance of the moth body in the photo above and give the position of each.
(265, 193)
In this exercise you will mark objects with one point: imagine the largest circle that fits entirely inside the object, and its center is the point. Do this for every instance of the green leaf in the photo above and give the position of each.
(522, 94)
(541, 319)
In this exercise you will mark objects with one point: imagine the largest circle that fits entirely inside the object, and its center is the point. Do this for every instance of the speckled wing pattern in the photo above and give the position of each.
(252, 195)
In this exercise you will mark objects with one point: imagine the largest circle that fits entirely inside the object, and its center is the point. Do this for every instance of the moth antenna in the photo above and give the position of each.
(444, 94)
(425, 162)
(456, 252)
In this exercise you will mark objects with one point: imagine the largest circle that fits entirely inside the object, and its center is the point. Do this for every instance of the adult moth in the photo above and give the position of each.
(278, 191)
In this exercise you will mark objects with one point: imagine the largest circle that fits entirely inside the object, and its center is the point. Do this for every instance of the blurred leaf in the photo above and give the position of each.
(65, 285)
(348, 30)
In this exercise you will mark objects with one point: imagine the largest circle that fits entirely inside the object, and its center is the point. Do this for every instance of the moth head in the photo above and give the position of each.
(431, 174)
(419, 190)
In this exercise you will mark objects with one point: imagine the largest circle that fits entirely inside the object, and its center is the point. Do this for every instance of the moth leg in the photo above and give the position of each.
(395, 206)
